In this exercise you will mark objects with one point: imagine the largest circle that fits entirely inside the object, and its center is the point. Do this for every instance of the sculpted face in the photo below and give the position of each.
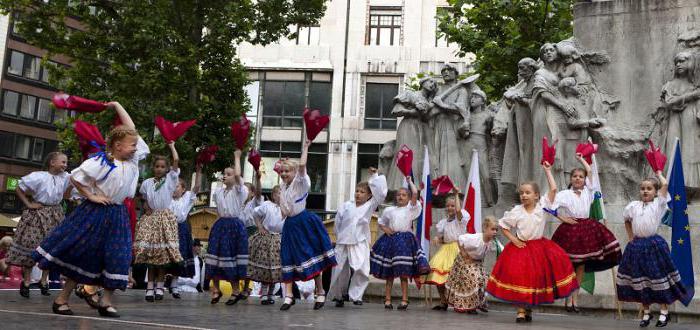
(525, 71)
(430, 85)
(548, 53)
(448, 74)
(682, 63)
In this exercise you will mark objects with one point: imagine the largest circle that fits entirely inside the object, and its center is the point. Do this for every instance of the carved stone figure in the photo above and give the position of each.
(479, 139)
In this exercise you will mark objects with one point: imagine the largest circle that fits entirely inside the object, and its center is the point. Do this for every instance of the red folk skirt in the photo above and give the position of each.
(590, 243)
(536, 274)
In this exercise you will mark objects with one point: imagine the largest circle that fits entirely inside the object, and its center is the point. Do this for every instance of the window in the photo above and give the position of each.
(378, 105)
(28, 66)
(28, 107)
(27, 148)
(284, 101)
(22, 145)
(38, 150)
(440, 37)
(320, 96)
(44, 113)
(384, 26)
(10, 103)
(308, 35)
(32, 67)
(367, 156)
(7, 144)
(16, 63)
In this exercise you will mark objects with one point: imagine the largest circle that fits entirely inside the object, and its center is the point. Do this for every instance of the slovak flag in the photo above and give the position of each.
(425, 221)
(472, 200)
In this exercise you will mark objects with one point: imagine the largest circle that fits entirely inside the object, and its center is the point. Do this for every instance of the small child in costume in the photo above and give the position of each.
(265, 265)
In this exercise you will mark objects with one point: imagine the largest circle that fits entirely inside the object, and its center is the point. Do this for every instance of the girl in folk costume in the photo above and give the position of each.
(532, 270)
(352, 239)
(449, 230)
(254, 199)
(466, 283)
(397, 253)
(589, 244)
(93, 244)
(183, 201)
(43, 212)
(265, 265)
(647, 274)
(156, 243)
(227, 254)
(306, 249)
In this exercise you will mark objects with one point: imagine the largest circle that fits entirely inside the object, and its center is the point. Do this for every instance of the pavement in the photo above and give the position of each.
(194, 311)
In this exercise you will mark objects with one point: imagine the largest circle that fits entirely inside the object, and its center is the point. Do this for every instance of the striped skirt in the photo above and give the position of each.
(306, 249)
(184, 234)
(398, 255)
(227, 253)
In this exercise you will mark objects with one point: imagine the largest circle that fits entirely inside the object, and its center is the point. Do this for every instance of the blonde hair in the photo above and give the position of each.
(451, 199)
(488, 221)
(118, 133)
(291, 163)
(275, 189)
(532, 184)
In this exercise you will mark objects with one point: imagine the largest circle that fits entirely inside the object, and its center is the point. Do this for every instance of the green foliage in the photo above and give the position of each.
(174, 58)
(501, 32)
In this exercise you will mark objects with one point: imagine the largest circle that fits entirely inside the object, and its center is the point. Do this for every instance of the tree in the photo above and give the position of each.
(175, 58)
(501, 32)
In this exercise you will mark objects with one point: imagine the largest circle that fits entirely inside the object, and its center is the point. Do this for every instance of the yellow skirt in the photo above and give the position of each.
(441, 264)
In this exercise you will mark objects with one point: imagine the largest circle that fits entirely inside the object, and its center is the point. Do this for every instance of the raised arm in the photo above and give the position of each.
(122, 114)
(301, 169)
(176, 157)
(237, 167)
(257, 185)
(552, 192)
(458, 202)
(197, 179)
(663, 191)
(414, 190)
(584, 163)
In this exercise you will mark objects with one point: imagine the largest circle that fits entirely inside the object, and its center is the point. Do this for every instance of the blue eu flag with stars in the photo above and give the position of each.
(681, 251)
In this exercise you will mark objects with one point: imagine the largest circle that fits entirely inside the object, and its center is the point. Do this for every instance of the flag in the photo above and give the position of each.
(425, 221)
(681, 251)
(596, 212)
(472, 200)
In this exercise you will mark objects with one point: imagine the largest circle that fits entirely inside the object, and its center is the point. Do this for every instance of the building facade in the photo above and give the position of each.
(361, 55)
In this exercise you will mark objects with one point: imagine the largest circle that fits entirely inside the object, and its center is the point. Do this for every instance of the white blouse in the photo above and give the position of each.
(160, 196)
(181, 206)
(293, 196)
(229, 202)
(45, 188)
(352, 221)
(451, 229)
(118, 183)
(271, 216)
(569, 204)
(400, 219)
(249, 209)
(646, 217)
(526, 226)
(474, 245)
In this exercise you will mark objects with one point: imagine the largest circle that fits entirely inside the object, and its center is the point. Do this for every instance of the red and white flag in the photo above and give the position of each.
(472, 200)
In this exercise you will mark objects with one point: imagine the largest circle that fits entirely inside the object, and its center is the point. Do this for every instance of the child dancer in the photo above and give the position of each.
(647, 274)
(42, 214)
(449, 230)
(265, 265)
(352, 239)
(253, 200)
(306, 249)
(93, 244)
(227, 254)
(183, 201)
(590, 246)
(156, 243)
(467, 279)
(397, 253)
(532, 270)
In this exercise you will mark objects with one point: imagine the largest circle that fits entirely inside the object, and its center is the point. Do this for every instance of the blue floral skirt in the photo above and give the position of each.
(306, 249)
(398, 255)
(184, 234)
(227, 253)
(647, 273)
(91, 246)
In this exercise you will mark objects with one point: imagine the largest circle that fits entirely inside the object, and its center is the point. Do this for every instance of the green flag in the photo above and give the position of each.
(597, 212)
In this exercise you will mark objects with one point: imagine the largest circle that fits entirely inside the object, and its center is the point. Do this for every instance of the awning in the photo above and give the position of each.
(7, 222)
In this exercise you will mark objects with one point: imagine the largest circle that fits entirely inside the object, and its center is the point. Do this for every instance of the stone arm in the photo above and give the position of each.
(567, 109)
(677, 103)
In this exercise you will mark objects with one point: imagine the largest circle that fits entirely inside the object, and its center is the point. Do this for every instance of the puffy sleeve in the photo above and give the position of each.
(32, 182)
(190, 197)
(385, 219)
(301, 184)
(441, 227)
(510, 219)
(662, 204)
(90, 171)
(142, 151)
(259, 212)
(545, 202)
(172, 178)
(465, 217)
(379, 189)
(338, 217)
(414, 210)
(241, 192)
(628, 212)
(143, 188)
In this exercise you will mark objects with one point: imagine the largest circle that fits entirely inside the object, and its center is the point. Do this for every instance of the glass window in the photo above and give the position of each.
(32, 67)
(16, 63)
(45, 72)
(283, 103)
(440, 38)
(22, 144)
(320, 96)
(38, 150)
(44, 113)
(59, 116)
(308, 35)
(378, 105)
(28, 106)
(7, 142)
(367, 156)
(385, 26)
(10, 103)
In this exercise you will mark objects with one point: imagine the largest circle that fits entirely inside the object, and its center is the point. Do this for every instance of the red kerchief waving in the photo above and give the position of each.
(404, 160)
(587, 150)
(278, 166)
(442, 185)
(315, 123)
(90, 139)
(207, 155)
(548, 151)
(254, 159)
(70, 102)
(172, 131)
(656, 159)
(239, 131)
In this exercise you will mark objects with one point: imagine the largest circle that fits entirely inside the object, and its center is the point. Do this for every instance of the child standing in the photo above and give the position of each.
(397, 253)
(227, 254)
(42, 214)
(183, 201)
(352, 239)
(156, 243)
(647, 274)
(465, 285)
(265, 265)
(254, 199)
(93, 244)
(449, 230)
(532, 270)
(306, 249)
